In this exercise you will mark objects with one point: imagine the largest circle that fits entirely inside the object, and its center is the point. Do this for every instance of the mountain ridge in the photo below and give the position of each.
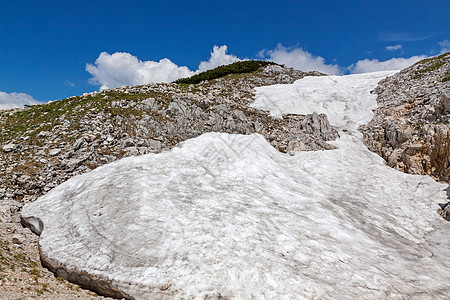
(44, 145)
(411, 126)
(124, 135)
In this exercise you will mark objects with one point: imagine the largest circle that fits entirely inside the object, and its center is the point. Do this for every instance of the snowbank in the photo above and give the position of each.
(228, 215)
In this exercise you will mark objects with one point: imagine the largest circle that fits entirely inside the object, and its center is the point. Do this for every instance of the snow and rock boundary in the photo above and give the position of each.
(84, 279)
(229, 216)
(43, 146)
(411, 126)
(410, 129)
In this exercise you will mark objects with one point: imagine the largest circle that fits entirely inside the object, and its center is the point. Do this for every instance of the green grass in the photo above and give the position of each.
(419, 73)
(240, 67)
(426, 60)
(431, 64)
(29, 122)
(37, 118)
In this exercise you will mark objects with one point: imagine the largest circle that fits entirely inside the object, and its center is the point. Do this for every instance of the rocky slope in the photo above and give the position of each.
(228, 216)
(42, 146)
(411, 127)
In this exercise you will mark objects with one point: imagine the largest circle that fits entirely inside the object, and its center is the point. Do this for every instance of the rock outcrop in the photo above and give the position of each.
(43, 146)
(411, 127)
(68, 137)
(228, 216)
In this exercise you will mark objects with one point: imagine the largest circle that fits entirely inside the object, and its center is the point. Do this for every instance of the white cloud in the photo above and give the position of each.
(445, 46)
(14, 100)
(394, 48)
(219, 57)
(373, 65)
(300, 59)
(121, 68)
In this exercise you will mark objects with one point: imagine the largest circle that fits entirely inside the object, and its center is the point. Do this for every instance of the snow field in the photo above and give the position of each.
(228, 214)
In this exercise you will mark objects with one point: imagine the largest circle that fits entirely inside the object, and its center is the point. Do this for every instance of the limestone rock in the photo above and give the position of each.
(445, 99)
(396, 134)
(109, 125)
(318, 125)
(79, 143)
(445, 212)
(9, 147)
(54, 152)
(411, 127)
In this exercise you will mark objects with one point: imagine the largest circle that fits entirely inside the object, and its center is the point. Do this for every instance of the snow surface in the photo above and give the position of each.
(346, 100)
(228, 214)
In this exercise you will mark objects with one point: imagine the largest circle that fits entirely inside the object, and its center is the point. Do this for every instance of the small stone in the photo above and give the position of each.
(16, 240)
(43, 133)
(5, 214)
(81, 142)
(54, 152)
(128, 142)
(258, 126)
(132, 151)
(9, 147)
(155, 145)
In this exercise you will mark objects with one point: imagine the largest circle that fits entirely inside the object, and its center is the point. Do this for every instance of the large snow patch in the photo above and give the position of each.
(228, 215)
(346, 100)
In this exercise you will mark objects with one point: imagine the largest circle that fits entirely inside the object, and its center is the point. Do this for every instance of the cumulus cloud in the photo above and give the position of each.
(219, 57)
(373, 65)
(445, 46)
(300, 59)
(121, 68)
(394, 48)
(15, 100)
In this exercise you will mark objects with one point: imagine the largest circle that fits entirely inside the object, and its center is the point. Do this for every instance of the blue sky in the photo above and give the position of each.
(45, 46)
